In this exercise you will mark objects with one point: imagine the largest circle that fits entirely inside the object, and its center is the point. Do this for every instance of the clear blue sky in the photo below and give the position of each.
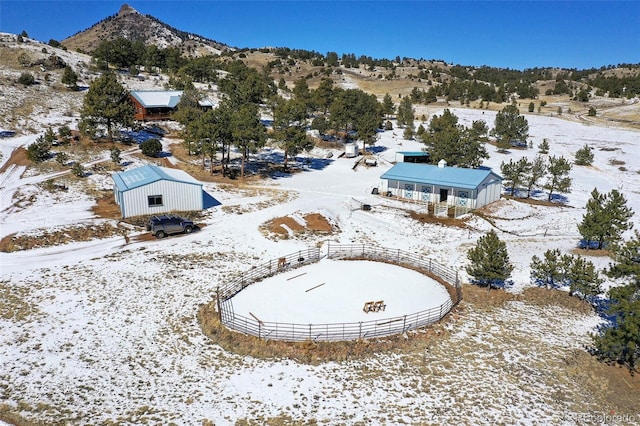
(513, 34)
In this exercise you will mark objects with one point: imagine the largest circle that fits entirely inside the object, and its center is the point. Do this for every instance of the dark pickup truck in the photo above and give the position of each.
(164, 225)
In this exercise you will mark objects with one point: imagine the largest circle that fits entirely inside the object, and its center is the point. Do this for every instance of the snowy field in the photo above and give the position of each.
(106, 332)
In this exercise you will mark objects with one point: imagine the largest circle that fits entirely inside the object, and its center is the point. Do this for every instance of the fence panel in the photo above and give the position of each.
(334, 331)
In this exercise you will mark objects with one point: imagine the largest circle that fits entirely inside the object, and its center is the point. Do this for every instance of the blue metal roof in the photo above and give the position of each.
(457, 177)
(414, 153)
(144, 175)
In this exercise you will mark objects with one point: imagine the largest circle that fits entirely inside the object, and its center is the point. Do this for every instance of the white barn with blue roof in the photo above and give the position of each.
(442, 186)
(150, 190)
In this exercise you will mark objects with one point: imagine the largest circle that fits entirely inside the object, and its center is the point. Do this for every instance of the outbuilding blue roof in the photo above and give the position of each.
(414, 153)
(147, 174)
(456, 177)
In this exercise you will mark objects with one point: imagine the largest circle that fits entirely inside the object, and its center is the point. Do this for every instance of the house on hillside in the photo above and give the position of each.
(442, 187)
(159, 104)
(150, 190)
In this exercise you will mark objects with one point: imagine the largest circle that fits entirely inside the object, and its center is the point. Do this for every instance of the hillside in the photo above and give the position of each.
(131, 24)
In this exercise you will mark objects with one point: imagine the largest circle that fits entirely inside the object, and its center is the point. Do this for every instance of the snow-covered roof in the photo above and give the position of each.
(157, 98)
(164, 98)
(147, 174)
(457, 177)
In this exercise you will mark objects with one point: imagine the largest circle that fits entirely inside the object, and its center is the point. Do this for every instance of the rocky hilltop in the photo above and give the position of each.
(131, 24)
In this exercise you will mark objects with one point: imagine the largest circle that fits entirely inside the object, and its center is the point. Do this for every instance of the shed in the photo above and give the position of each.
(412, 157)
(159, 104)
(152, 189)
(442, 186)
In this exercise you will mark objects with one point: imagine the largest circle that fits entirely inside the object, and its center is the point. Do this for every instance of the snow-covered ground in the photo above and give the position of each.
(105, 331)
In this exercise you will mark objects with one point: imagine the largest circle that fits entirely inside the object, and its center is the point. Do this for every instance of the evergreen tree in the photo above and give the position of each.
(323, 95)
(447, 140)
(78, 169)
(490, 265)
(62, 158)
(514, 173)
(566, 271)
(405, 112)
(583, 278)
(289, 127)
(510, 126)
(544, 147)
(115, 155)
(64, 134)
(38, 151)
(550, 271)
(248, 132)
(607, 216)
(536, 171)
(107, 104)
(388, 108)
(558, 176)
(620, 343)
(627, 258)
(70, 78)
(584, 156)
(151, 147)
(26, 79)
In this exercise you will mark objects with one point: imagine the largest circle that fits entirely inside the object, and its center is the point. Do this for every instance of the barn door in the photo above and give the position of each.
(408, 190)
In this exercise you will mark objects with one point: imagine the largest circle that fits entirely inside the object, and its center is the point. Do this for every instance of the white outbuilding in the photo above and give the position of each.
(441, 186)
(150, 190)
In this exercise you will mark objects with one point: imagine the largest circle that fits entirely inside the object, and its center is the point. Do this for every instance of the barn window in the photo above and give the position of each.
(155, 200)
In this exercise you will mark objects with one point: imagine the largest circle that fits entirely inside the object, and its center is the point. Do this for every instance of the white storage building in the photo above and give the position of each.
(150, 189)
(442, 186)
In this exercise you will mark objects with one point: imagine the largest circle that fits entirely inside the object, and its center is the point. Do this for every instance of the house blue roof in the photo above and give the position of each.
(457, 177)
(145, 175)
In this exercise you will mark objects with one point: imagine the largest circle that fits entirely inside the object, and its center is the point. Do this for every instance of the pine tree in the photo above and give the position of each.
(543, 148)
(490, 265)
(607, 216)
(584, 156)
(514, 173)
(107, 104)
(627, 258)
(38, 151)
(405, 112)
(548, 272)
(388, 108)
(70, 78)
(115, 155)
(574, 272)
(510, 126)
(620, 343)
(536, 171)
(558, 179)
(584, 280)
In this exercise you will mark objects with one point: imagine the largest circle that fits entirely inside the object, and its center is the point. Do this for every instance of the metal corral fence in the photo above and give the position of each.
(336, 331)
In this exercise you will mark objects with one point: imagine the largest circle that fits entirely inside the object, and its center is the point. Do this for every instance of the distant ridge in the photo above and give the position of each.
(132, 25)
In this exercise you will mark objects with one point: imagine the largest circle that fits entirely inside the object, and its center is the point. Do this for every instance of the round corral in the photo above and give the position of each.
(375, 293)
(337, 291)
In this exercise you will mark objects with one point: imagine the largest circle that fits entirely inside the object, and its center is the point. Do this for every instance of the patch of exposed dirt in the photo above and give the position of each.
(18, 157)
(314, 223)
(441, 220)
(106, 207)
